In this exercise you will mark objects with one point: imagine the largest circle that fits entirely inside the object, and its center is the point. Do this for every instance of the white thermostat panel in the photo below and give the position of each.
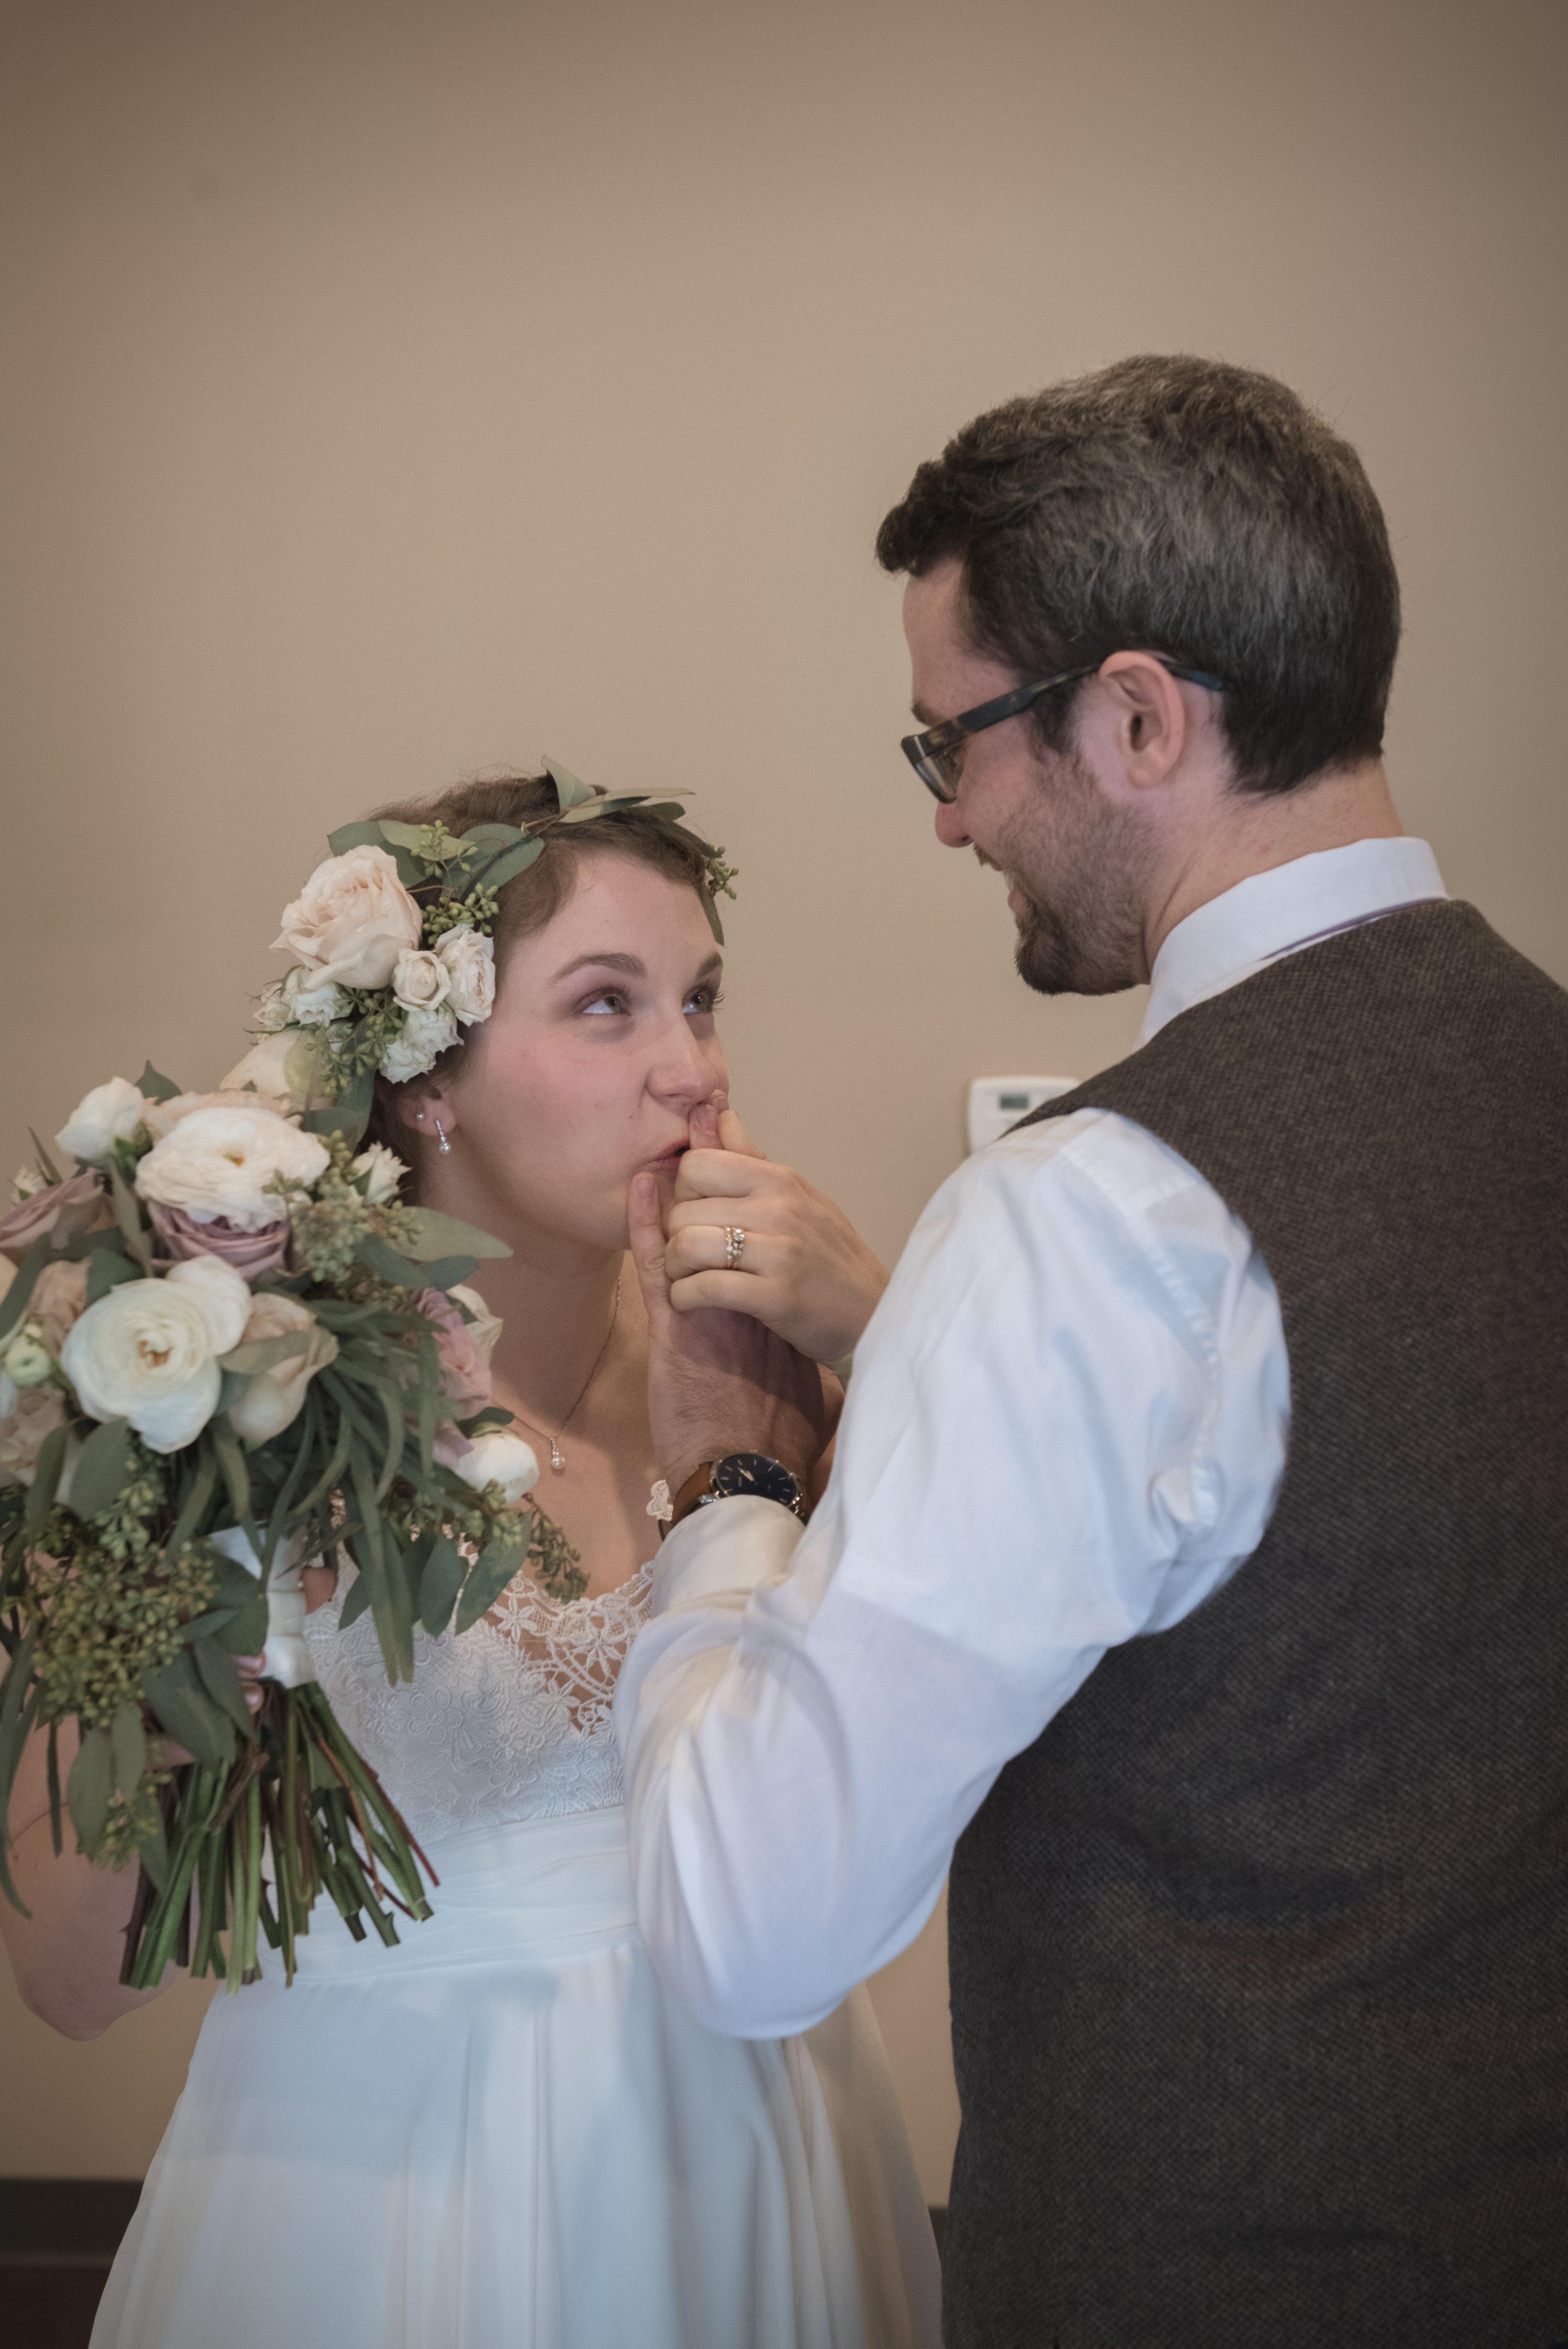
(997, 1102)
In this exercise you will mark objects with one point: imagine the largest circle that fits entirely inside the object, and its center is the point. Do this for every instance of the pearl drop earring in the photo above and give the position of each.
(442, 1141)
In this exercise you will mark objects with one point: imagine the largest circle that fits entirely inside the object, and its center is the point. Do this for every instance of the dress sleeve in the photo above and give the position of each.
(1065, 1429)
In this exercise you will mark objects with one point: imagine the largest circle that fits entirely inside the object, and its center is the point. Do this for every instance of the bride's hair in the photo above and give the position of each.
(526, 903)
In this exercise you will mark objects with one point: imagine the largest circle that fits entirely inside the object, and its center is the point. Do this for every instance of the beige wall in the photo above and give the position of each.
(391, 389)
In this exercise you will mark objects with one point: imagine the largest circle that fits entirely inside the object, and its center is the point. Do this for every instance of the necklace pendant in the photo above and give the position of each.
(557, 1457)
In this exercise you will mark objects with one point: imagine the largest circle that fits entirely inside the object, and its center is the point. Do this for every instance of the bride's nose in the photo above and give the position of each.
(682, 1073)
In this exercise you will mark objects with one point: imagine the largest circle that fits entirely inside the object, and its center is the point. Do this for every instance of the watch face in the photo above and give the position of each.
(754, 1472)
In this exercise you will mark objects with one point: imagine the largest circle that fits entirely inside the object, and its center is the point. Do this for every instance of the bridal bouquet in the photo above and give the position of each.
(227, 1348)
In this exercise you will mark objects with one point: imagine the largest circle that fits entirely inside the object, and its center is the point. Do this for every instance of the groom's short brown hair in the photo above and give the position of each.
(1182, 506)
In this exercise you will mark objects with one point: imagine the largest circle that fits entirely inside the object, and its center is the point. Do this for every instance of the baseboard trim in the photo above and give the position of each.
(64, 2222)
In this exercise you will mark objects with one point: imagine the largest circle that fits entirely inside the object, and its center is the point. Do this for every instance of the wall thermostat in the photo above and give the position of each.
(997, 1102)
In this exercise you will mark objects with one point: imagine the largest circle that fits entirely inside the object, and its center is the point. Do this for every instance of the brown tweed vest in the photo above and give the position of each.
(1259, 1954)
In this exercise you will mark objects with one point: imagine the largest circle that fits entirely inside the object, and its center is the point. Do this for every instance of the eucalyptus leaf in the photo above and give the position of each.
(384, 1259)
(231, 1462)
(505, 868)
(569, 792)
(154, 1857)
(90, 1787)
(46, 1163)
(265, 1353)
(155, 1087)
(185, 1709)
(13, 1304)
(129, 1740)
(102, 1468)
(349, 1114)
(198, 1494)
(355, 1605)
(220, 1679)
(355, 835)
(492, 1415)
(46, 1478)
(106, 1270)
(127, 1215)
(440, 1235)
(490, 1576)
(17, 1711)
(493, 835)
(410, 835)
(438, 1586)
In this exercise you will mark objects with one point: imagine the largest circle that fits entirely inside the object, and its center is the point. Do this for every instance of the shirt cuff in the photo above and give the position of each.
(726, 1550)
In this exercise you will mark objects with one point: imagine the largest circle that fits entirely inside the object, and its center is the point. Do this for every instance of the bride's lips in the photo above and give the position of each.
(668, 1160)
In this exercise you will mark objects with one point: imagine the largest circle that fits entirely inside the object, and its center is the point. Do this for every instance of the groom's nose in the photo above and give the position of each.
(950, 829)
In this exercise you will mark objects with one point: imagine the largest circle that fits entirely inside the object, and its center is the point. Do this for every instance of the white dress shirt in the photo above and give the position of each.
(1066, 1428)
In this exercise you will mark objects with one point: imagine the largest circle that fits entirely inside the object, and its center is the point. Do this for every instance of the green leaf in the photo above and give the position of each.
(129, 1740)
(232, 1461)
(154, 1857)
(107, 1268)
(198, 1496)
(13, 1304)
(355, 835)
(127, 1215)
(186, 1711)
(348, 1115)
(90, 1787)
(102, 1468)
(438, 1235)
(711, 910)
(46, 1163)
(505, 868)
(494, 836)
(265, 1353)
(438, 1586)
(488, 1577)
(46, 1479)
(492, 1415)
(569, 792)
(220, 1679)
(410, 835)
(14, 1711)
(152, 1086)
(355, 1605)
(385, 1261)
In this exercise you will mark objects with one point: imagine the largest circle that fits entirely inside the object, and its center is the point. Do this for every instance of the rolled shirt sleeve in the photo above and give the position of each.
(1066, 1428)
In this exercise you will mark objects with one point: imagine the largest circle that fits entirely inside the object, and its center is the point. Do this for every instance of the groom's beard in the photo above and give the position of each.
(1078, 862)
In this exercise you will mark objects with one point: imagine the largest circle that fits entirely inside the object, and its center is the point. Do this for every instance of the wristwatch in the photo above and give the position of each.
(738, 1473)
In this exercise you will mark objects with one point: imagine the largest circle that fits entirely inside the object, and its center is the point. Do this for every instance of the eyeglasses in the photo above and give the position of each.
(933, 754)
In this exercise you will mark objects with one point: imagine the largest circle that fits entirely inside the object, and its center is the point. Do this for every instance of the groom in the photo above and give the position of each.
(1194, 1575)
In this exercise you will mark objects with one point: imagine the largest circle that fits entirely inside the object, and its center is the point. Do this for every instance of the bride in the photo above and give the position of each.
(503, 2133)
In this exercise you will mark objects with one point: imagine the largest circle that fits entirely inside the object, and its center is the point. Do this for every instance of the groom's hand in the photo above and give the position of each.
(718, 1382)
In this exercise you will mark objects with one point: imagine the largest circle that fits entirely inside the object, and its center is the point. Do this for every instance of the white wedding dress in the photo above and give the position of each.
(504, 2133)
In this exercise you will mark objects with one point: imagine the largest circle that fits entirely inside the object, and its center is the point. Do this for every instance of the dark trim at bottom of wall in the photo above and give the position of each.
(48, 2222)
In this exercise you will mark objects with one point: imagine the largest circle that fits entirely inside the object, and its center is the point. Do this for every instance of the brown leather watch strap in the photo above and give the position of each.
(697, 1486)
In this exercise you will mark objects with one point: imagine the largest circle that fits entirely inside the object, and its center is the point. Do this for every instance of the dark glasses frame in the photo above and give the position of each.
(931, 753)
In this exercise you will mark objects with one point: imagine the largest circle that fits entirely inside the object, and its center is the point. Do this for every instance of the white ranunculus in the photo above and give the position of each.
(420, 1044)
(275, 1399)
(384, 1171)
(485, 1327)
(497, 1458)
(217, 1162)
(352, 920)
(471, 965)
(147, 1351)
(420, 979)
(110, 1114)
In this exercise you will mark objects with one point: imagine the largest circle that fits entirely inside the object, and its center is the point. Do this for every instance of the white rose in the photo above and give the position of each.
(471, 965)
(497, 1458)
(384, 1171)
(162, 1117)
(485, 1327)
(275, 1399)
(420, 979)
(352, 920)
(313, 1001)
(423, 1037)
(110, 1114)
(147, 1351)
(217, 1162)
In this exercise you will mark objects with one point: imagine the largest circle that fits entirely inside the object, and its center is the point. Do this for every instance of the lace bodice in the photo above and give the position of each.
(509, 1720)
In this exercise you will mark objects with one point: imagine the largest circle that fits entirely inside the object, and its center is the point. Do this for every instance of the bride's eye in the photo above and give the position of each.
(704, 998)
(611, 1001)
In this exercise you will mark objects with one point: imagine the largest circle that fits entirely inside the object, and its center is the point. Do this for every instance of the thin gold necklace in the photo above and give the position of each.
(558, 1457)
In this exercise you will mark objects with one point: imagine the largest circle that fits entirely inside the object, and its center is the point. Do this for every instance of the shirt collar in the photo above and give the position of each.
(1274, 913)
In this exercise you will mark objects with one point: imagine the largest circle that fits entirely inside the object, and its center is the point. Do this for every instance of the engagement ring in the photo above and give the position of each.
(734, 1246)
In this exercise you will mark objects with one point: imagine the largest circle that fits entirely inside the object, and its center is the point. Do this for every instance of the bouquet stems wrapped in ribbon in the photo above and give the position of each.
(226, 1349)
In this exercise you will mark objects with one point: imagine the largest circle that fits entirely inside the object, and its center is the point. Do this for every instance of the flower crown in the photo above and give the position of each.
(394, 946)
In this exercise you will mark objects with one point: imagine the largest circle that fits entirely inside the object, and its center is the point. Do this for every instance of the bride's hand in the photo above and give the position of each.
(804, 1272)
